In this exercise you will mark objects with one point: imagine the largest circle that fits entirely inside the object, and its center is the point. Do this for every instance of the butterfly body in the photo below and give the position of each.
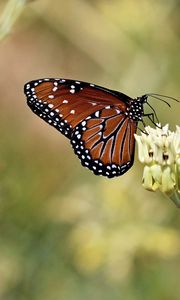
(99, 122)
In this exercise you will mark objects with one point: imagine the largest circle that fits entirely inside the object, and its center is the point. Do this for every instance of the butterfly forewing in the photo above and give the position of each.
(93, 118)
(73, 100)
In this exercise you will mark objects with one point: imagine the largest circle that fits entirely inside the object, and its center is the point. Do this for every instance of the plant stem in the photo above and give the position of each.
(175, 197)
(10, 14)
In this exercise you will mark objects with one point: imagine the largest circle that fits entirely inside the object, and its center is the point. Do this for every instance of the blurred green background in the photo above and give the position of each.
(65, 233)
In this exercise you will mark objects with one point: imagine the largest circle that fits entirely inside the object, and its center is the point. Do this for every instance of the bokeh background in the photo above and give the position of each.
(65, 233)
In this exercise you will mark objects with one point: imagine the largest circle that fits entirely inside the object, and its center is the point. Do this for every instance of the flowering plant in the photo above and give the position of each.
(159, 150)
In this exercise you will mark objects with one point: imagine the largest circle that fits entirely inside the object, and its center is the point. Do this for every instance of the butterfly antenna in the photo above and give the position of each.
(164, 96)
(159, 97)
(156, 97)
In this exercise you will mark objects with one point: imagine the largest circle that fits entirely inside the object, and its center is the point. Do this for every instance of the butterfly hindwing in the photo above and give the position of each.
(104, 142)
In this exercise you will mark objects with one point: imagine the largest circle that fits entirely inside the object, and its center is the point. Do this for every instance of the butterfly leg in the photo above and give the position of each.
(144, 125)
(153, 118)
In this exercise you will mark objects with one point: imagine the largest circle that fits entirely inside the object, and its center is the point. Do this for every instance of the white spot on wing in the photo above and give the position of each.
(50, 105)
(97, 114)
(83, 123)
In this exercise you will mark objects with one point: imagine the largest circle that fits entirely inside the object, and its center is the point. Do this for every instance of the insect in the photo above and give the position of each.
(100, 123)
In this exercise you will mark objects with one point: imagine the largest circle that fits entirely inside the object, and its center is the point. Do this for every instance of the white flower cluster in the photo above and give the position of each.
(159, 150)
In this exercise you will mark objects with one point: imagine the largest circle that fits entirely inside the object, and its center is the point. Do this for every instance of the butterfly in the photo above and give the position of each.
(100, 123)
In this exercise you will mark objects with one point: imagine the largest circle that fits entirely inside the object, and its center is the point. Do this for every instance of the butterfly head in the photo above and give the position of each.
(142, 99)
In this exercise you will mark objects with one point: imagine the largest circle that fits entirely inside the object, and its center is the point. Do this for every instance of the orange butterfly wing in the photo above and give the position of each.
(94, 119)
